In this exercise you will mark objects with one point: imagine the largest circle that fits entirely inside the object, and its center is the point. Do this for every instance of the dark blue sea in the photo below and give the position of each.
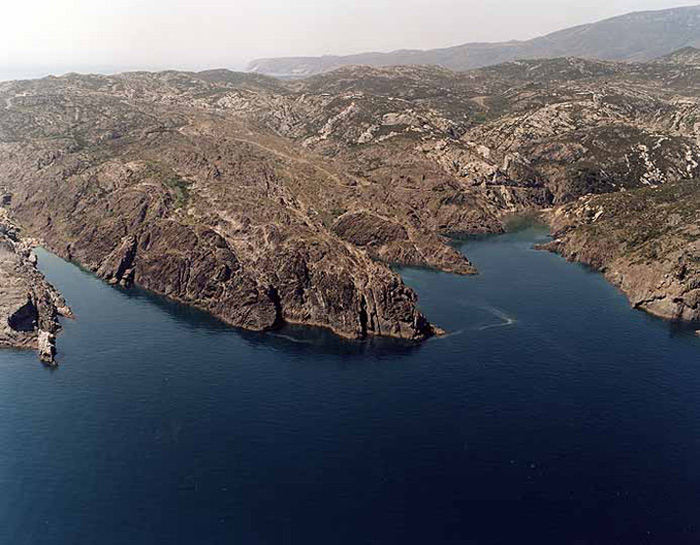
(552, 414)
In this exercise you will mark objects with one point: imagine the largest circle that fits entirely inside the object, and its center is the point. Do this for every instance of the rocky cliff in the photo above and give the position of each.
(29, 305)
(647, 242)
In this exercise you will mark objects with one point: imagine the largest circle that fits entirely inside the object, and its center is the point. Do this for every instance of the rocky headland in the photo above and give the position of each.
(646, 242)
(29, 305)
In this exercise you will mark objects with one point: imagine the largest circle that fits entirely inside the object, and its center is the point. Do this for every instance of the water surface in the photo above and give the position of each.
(552, 413)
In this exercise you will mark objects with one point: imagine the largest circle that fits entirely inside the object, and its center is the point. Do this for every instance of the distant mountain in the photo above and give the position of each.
(633, 37)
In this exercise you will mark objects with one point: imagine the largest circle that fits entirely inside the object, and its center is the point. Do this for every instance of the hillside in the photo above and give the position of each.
(647, 242)
(633, 37)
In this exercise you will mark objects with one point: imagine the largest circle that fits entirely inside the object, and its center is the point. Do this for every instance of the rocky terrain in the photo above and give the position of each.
(647, 242)
(636, 36)
(29, 305)
(195, 206)
(265, 201)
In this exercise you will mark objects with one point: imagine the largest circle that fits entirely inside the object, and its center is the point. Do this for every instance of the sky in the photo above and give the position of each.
(39, 37)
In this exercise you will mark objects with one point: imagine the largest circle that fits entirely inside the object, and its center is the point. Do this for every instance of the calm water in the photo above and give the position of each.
(552, 414)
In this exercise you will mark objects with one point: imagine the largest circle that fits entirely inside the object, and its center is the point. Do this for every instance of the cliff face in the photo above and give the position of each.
(647, 242)
(264, 201)
(29, 306)
(231, 238)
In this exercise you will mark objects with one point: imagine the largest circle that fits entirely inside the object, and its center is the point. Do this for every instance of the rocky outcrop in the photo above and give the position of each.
(29, 305)
(390, 242)
(47, 347)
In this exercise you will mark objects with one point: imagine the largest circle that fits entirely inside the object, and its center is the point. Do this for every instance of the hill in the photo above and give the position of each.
(632, 37)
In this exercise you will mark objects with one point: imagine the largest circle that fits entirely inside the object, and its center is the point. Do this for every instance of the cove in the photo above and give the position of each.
(552, 413)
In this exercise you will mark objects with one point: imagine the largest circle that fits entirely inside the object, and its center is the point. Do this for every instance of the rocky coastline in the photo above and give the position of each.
(29, 306)
(264, 201)
(646, 242)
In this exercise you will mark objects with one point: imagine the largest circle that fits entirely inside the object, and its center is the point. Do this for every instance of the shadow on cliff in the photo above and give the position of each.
(292, 339)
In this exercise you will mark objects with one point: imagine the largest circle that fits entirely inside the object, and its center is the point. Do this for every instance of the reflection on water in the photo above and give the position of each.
(291, 337)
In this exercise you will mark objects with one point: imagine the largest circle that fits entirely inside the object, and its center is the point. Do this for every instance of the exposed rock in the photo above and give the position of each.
(47, 347)
(390, 242)
(29, 305)
(647, 242)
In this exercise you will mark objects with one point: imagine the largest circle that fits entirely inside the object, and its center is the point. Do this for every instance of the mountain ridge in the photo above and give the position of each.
(649, 34)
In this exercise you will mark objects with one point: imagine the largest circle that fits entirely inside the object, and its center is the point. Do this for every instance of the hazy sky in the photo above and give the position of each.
(43, 36)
